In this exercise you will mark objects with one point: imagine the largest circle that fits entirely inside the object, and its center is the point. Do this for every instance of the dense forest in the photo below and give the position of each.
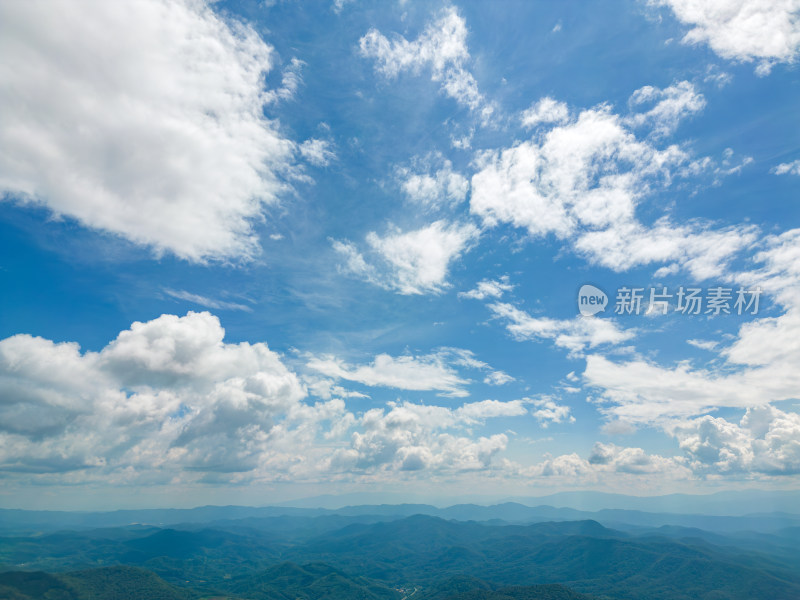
(363, 556)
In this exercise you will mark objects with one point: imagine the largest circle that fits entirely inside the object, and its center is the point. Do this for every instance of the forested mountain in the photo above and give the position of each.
(109, 583)
(419, 557)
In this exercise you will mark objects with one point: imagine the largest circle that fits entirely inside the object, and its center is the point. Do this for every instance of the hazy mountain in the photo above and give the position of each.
(381, 557)
(727, 503)
(272, 518)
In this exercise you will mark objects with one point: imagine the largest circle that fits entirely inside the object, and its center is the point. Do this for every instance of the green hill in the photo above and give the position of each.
(110, 583)
(288, 581)
(531, 592)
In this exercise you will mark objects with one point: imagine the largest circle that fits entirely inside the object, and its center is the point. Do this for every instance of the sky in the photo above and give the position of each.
(253, 251)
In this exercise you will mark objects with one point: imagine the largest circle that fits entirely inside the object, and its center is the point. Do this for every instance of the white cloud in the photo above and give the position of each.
(430, 372)
(641, 392)
(633, 460)
(566, 466)
(489, 409)
(545, 110)
(317, 152)
(166, 397)
(414, 437)
(464, 142)
(291, 79)
(756, 369)
(412, 262)
(766, 440)
(760, 370)
(583, 180)
(489, 289)
(703, 344)
(779, 273)
(670, 106)
(338, 5)
(767, 31)
(631, 468)
(205, 301)
(169, 401)
(435, 371)
(549, 411)
(588, 172)
(791, 168)
(433, 190)
(700, 249)
(442, 46)
(354, 260)
(717, 76)
(143, 119)
(325, 388)
(573, 334)
(498, 378)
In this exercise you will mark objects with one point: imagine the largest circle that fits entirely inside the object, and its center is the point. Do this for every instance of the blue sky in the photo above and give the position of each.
(255, 251)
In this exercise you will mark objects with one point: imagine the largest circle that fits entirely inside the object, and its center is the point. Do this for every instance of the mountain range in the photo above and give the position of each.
(465, 552)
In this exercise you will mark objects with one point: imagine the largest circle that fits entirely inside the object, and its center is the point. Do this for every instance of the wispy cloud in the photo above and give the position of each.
(205, 301)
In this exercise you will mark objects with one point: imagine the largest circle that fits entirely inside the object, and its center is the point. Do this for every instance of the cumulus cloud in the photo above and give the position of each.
(766, 440)
(166, 396)
(442, 47)
(414, 437)
(790, 168)
(142, 119)
(589, 171)
(583, 179)
(614, 465)
(411, 262)
(566, 466)
(633, 460)
(545, 110)
(436, 189)
(669, 106)
(169, 401)
(547, 410)
(767, 32)
(573, 334)
(755, 369)
(475, 412)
